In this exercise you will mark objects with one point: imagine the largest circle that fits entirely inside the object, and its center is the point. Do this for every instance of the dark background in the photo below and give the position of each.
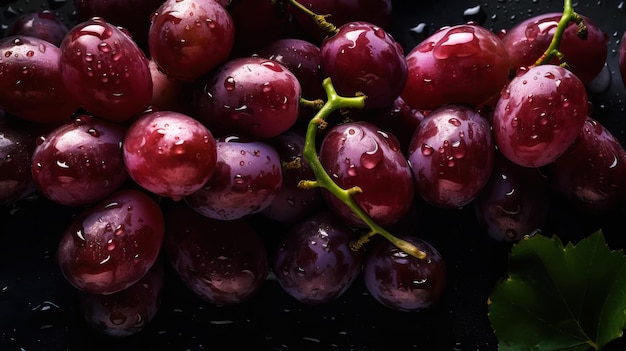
(39, 311)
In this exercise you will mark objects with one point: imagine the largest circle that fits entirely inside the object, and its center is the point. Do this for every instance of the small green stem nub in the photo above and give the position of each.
(323, 179)
(569, 15)
(321, 21)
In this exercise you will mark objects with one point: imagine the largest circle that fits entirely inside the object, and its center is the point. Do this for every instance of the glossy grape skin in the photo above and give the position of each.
(132, 15)
(189, 38)
(302, 58)
(451, 156)
(128, 311)
(292, 202)
(364, 58)
(111, 245)
(360, 154)
(514, 202)
(314, 262)
(223, 262)
(16, 148)
(248, 177)
(591, 173)
(252, 97)
(43, 24)
(169, 153)
(80, 163)
(462, 64)
(377, 12)
(400, 281)
(26, 62)
(539, 115)
(105, 70)
(528, 40)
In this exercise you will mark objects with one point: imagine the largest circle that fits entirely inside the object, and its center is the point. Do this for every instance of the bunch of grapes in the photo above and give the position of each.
(173, 128)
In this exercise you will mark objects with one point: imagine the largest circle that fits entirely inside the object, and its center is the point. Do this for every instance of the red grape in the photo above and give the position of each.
(247, 178)
(169, 153)
(16, 148)
(451, 156)
(43, 25)
(462, 64)
(80, 163)
(314, 262)
(188, 38)
(112, 245)
(360, 154)
(105, 70)
(539, 115)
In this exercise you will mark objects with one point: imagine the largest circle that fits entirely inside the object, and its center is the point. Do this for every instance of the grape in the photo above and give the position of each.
(169, 153)
(111, 245)
(591, 173)
(292, 202)
(189, 38)
(377, 12)
(43, 24)
(252, 97)
(462, 64)
(526, 42)
(168, 94)
(247, 178)
(128, 311)
(364, 58)
(621, 58)
(451, 156)
(539, 115)
(514, 202)
(402, 282)
(314, 262)
(360, 154)
(223, 262)
(105, 70)
(80, 163)
(25, 62)
(16, 148)
(302, 58)
(132, 15)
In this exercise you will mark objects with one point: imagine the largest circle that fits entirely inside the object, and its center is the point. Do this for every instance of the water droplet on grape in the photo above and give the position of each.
(379, 32)
(110, 245)
(118, 318)
(229, 83)
(457, 42)
(372, 158)
(351, 170)
(427, 150)
(455, 122)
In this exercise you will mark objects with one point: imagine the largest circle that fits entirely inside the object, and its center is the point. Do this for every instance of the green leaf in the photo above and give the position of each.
(560, 298)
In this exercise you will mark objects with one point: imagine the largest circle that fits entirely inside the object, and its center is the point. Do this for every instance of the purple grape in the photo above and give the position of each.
(26, 62)
(514, 202)
(16, 148)
(403, 282)
(223, 262)
(451, 156)
(252, 97)
(112, 245)
(360, 154)
(303, 59)
(292, 202)
(462, 64)
(80, 163)
(528, 40)
(169, 154)
(248, 177)
(128, 311)
(43, 24)
(364, 58)
(187, 39)
(539, 115)
(105, 70)
(591, 173)
(314, 262)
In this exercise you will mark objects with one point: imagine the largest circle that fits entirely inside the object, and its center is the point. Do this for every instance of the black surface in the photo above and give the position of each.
(39, 311)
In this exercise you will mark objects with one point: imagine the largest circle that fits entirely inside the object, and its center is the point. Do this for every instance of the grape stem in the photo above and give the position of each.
(569, 15)
(323, 180)
(319, 19)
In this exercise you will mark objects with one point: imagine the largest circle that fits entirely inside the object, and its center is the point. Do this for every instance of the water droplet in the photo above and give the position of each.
(30, 53)
(372, 158)
(118, 318)
(455, 122)
(379, 32)
(119, 230)
(427, 150)
(62, 164)
(229, 83)
(110, 245)
(351, 170)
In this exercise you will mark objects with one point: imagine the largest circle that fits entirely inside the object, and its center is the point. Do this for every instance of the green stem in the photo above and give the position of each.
(323, 180)
(319, 19)
(569, 15)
